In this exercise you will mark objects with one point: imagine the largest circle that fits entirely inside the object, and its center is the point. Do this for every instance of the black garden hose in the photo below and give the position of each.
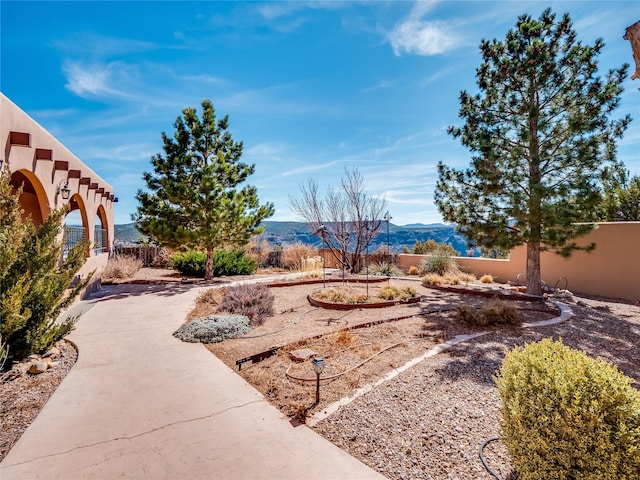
(483, 460)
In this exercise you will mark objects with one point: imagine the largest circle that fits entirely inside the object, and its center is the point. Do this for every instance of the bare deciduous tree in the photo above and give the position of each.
(346, 219)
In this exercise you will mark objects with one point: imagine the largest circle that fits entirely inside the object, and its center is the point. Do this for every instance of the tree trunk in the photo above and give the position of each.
(534, 286)
(208, 269)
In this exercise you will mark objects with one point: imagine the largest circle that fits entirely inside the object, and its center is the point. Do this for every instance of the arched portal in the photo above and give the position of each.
(76, 225)
(101, 232)
(33, 198)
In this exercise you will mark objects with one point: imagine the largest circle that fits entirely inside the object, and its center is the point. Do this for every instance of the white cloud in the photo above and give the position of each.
(95, 80)
(424, 37)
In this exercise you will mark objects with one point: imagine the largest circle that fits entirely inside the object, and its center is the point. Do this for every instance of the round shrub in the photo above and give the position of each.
(190, 263)
(252, 300)
(439, 262)
(213, 329)
(225, 263)
(568, 416)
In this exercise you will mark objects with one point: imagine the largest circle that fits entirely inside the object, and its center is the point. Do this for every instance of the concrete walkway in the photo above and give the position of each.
(141, 404)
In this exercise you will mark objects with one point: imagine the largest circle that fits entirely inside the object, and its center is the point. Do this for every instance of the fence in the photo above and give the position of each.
(150, 255)
(99, 240)
(73, 235)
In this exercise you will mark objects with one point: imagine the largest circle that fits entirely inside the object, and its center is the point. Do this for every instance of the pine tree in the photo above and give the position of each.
(192, 199)
(35, 282)
(621, 198)
(541, 132)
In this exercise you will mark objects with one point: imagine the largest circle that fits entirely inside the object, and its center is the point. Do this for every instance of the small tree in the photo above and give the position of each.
(541, 132)
(346, 219)
(35, 283)
(621, 198)
(193, 200)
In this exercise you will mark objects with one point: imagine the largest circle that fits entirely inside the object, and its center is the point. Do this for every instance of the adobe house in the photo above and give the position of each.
(51, 176)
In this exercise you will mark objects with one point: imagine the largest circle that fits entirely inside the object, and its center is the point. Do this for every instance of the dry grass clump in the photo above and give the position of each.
(258, 250)
(163, 258)
(121, 267)
(495, 313)
(413, 270)
(347, 295)
(252, 300)
(293, 255)
(391, 292)
(486, 278)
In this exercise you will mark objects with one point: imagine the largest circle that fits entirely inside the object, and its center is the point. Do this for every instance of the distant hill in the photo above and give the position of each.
(284, 233)
(127, 233)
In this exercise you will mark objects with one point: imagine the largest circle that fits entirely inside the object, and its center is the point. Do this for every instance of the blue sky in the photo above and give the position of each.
(310, 88)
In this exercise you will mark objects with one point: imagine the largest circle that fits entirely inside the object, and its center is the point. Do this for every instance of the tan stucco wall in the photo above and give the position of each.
(47, 172)
(611, 270)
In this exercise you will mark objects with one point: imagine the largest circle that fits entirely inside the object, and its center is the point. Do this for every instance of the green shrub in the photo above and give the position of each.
(190, 263)
(384, 270)
(253, 300)
(440, 262)
(232, 262)
(568, 416)
(225, 263)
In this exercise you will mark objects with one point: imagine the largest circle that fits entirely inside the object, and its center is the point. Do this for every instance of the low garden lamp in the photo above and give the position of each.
(318, 367)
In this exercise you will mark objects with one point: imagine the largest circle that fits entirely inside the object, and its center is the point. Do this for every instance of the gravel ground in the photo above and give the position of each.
(426, 423)
(429, 422)
(22, 399)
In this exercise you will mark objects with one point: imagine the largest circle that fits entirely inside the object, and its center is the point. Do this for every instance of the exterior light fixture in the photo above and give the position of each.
(318, 367)
(64, 189)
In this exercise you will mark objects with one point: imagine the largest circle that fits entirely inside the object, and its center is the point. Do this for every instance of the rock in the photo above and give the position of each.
(53, 353)
(301, 354)
(38, 367)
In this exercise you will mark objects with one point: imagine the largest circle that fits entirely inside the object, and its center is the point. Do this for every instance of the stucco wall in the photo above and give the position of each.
(611, 270)
(31, 152)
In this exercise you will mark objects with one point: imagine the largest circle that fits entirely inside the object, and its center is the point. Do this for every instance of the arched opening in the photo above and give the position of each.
(101, 232)
(75, 225)
(33, 198)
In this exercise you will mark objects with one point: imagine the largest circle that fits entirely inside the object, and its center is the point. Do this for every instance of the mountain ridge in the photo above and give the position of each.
(279, 233)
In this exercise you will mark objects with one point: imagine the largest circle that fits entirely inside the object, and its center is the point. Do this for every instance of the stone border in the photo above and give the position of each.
(486, 293)
(354, 306)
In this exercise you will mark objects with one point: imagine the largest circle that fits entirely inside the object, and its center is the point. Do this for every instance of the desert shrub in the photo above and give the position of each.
(391, 292)
(496, 313)
(333, 295)
(121, 266)
(384, 270)
(225, 263)
(232, 262)
(163, 258)
(467, 277)
(190, 263)
(439, 262)
(568, 416)
(258, 250)
(486, 278)
(293, 254)
(213, 329)
(413, 270)
(431, 246)
(381, 255)
(433, 279)
(253, 300)
(212, 296)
